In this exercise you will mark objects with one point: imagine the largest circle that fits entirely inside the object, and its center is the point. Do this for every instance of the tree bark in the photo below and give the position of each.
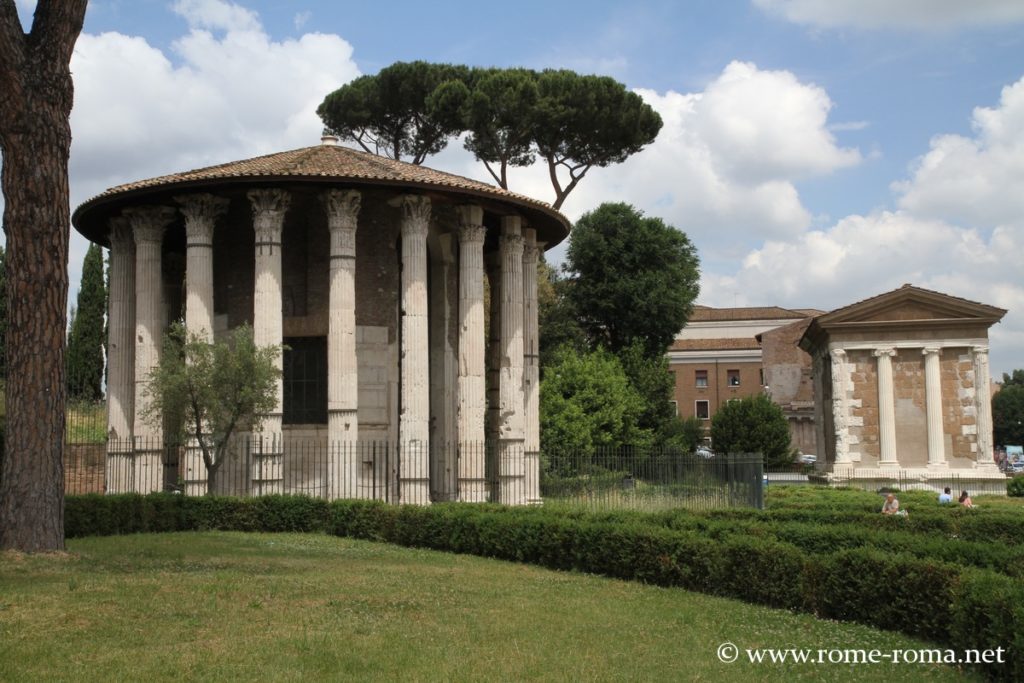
(36, 94)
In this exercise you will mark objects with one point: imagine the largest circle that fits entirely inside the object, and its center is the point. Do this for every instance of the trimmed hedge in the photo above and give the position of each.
(959, 607)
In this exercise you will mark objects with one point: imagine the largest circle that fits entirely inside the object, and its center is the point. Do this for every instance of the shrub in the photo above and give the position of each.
(1015, 487)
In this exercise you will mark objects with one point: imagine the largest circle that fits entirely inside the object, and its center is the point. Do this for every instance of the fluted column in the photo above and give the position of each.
(983, 403)
(342, 370)
(148, 226)
(886, 409)
(472, 398)
(531, 365)
(120, 357)
(414, 421)
(511, 425)
(201, 212)
(268, 212)
(933, 406)
(840, 407)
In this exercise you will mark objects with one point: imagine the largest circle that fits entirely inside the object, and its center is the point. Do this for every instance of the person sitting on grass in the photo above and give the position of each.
(945, 496)
(891, 505)
(965, 500)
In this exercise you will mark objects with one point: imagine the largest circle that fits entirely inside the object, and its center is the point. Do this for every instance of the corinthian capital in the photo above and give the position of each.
(149, 222)
(415, 215)
(201, 211)
(120, 234)
(268, 210)
(342, 207)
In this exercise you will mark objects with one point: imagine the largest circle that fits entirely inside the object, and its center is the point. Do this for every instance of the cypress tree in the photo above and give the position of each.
(85, 356)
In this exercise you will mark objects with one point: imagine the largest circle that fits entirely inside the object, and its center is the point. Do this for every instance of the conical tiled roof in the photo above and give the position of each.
(325, 164)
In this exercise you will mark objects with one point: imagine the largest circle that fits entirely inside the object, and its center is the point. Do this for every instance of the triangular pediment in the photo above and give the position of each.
(910, 304)
(905, 309)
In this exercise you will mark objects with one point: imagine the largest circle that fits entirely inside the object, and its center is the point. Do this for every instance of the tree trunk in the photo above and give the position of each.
(35, 137)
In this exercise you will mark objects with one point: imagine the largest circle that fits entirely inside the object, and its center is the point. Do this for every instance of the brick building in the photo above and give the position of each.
(717, 357)
(902, 383)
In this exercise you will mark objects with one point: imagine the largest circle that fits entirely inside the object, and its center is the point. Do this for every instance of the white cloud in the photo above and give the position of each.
(974, 180)
(902, 14)
(301, 19)
(217, 15)
(959, 229)
(139, 112)
(723, 167)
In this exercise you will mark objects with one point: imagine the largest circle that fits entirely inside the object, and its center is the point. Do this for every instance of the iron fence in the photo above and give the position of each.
(253, 465)
(652, 479)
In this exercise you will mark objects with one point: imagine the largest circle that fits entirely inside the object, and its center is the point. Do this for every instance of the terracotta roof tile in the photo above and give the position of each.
(325, 163)
(708, 314)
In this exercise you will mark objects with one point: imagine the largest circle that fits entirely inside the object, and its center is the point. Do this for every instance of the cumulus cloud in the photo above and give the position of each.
(959, 229)
(225, 91)
(901, 14)
(723, 167)
(975, 180)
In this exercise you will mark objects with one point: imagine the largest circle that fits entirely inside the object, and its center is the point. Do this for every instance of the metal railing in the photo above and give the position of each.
(502, 472)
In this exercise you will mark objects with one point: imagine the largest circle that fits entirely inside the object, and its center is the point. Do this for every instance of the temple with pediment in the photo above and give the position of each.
(902, 385)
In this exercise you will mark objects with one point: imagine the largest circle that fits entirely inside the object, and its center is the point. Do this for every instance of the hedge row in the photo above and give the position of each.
(959, 608)
(828, 538)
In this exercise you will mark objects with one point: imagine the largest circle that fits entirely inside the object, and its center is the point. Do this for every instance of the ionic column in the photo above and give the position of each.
(342, 370)
(268, 211)
(201, 212)
(414, 421)
(148, 225)
(472, 397)
(531, 365)
(511, 424)
(886, 409)
(840, 407)
(983, 403)
(120, 357)
(933, 406)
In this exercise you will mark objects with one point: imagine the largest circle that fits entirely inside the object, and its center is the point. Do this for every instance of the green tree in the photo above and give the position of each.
(207, 391)
(409, 109)
(1008, 413)
(633, 278)
(655, 384)
(585, 121)
(498, 119)
(36, 95)
(559, 326)
(1014, 379)
(573, 122)
(753, 425)
(586, 404)
(85, 357)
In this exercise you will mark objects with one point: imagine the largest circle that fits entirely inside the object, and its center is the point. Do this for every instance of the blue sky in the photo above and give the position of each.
(816, 151)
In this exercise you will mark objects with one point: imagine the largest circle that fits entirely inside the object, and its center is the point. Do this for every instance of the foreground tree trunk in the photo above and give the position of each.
(36, 95)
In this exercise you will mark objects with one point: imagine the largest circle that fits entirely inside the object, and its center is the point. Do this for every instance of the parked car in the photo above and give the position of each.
(704, 452)
(807, 459)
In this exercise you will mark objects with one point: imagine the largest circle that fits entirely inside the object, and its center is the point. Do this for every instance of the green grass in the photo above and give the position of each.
(86, 422)
(221, 606)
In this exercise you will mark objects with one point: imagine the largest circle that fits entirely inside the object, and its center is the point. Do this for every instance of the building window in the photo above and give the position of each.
(733, 377)
(702, 379)
(305, 380)
(702, 410)
(675, 408)
(762, 377)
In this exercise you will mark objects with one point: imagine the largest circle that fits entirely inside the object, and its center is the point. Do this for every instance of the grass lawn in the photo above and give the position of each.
(224, 606)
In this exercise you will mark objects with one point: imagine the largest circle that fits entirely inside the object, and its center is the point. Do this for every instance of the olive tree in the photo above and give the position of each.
(205, 391)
